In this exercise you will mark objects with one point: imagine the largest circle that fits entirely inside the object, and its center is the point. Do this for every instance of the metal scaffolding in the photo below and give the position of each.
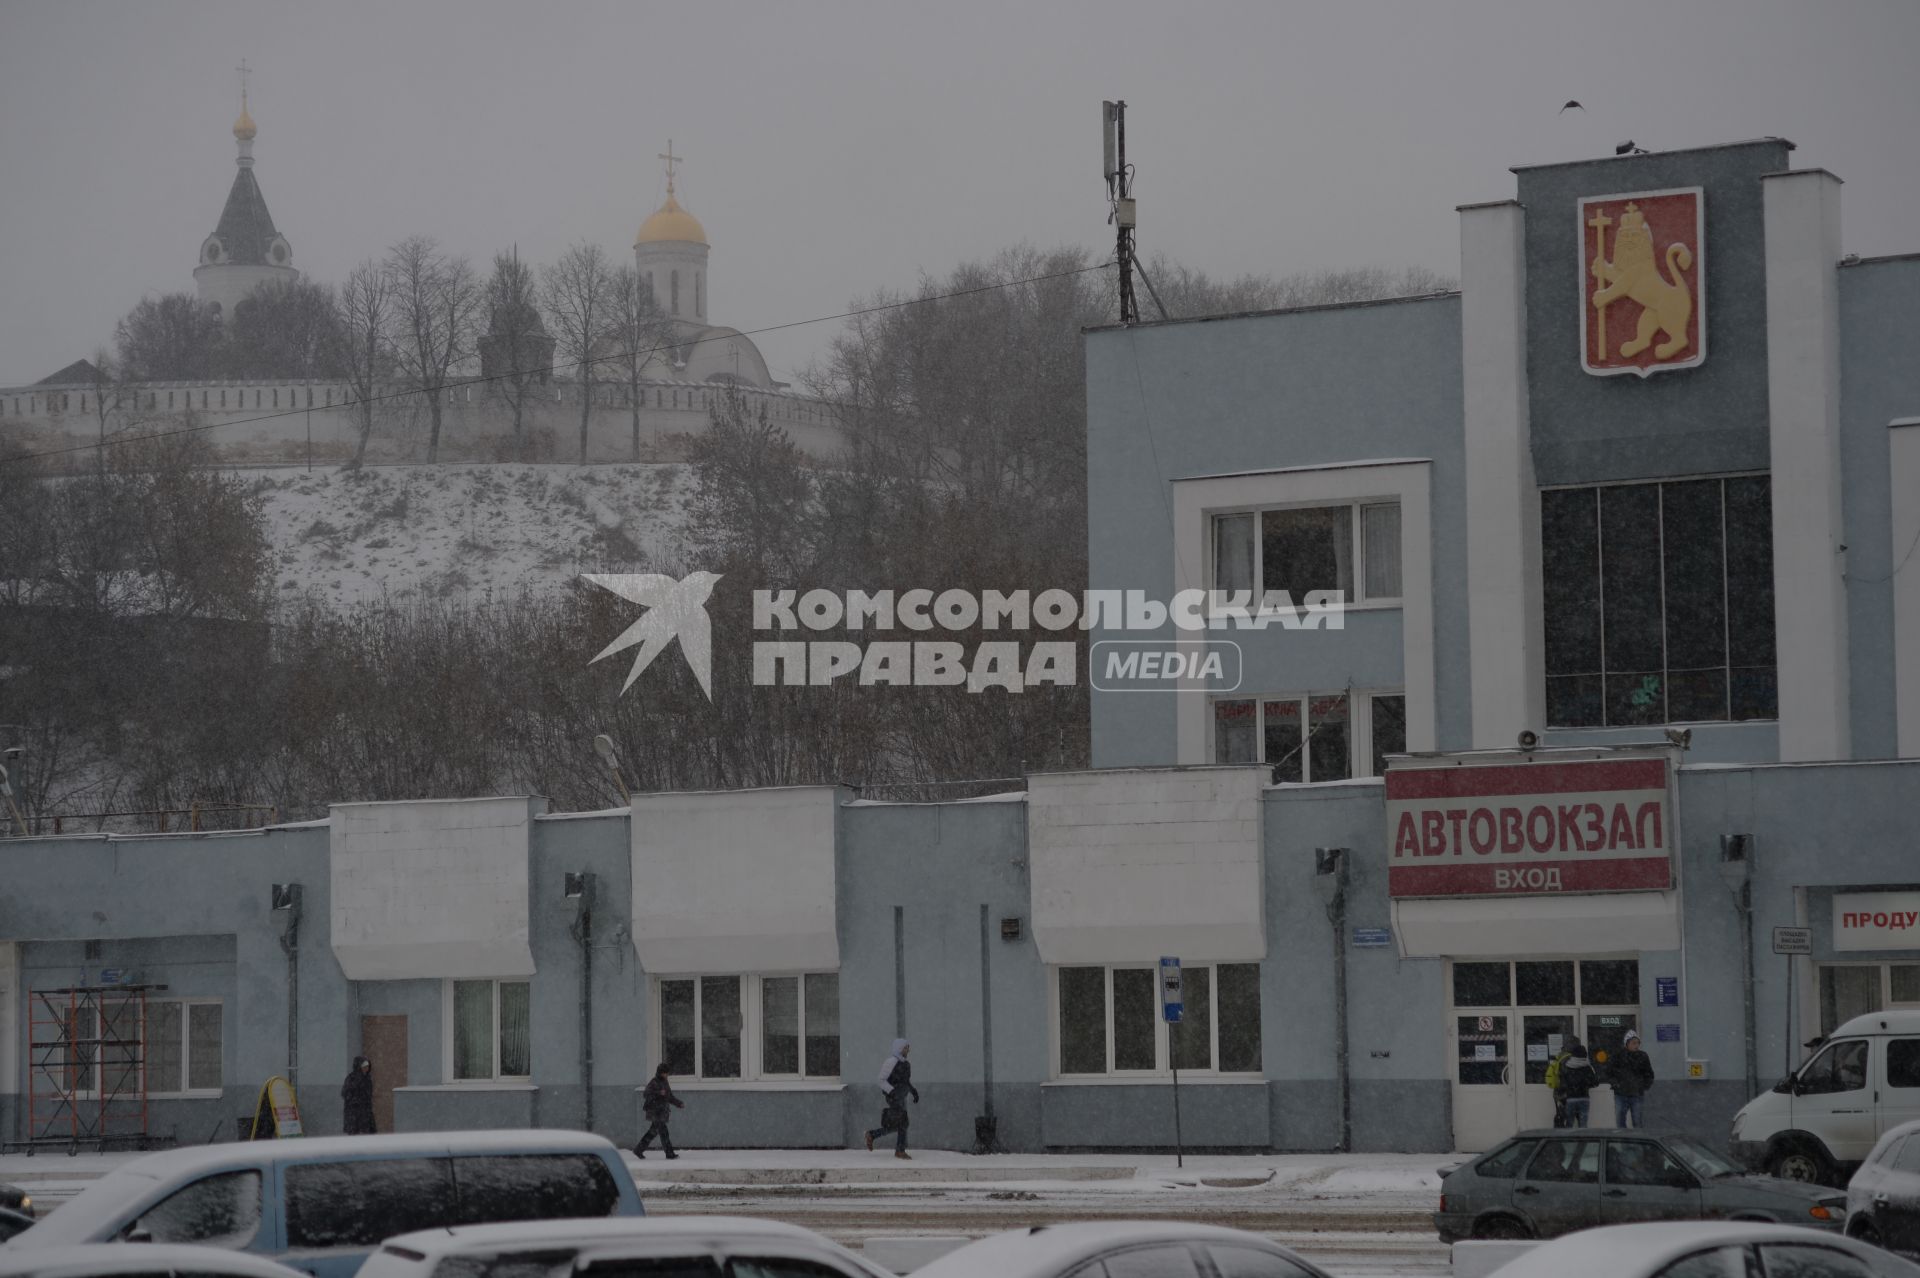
(87, 1052)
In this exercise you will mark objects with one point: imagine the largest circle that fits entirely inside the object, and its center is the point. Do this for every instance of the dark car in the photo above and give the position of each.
(1542, 1184)
(13, 1222)
(14, 1198)
(1883, 1198)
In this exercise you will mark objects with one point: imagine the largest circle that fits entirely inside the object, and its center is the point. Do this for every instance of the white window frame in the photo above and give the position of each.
(1885, 967)
(185, 1091)
(447, 1032)
(1359, 726)
(1356, 530)
(752, 1027)
(1162, 1034)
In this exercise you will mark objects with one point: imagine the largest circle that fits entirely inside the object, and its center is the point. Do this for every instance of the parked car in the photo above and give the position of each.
(14, 1198)
(763, 1248)
(1883, 1198)
(1542, 1184)
(105, 1260)
(1820, 1122)
(13, 1222)
(323, 1205)
(1124, 1249)
(1706, 1249)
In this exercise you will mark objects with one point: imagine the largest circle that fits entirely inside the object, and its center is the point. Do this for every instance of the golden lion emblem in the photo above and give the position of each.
(1634, 272)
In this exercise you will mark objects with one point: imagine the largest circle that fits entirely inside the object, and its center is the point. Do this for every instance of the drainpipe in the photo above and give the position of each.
(1736, 871)
(286, 901)
(580, 888)
(1330, 881)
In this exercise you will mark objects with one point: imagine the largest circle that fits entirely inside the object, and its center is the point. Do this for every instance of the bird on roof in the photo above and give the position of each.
(1570, 106)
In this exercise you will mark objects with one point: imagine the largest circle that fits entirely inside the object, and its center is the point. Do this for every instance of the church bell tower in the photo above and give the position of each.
(244, 251)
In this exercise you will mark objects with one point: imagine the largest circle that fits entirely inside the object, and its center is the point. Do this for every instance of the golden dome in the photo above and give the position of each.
(671, 222)
(243, 127)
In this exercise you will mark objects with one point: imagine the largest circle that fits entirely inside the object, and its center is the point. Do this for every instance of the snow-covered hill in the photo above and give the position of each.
(350, 537)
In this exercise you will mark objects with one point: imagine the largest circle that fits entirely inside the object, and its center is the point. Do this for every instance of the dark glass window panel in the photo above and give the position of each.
(1696, 587)
(217, 1211)
(1389, 730)
(1574, 701)
(823, 1024)
(652, 1267)
(1481, 985)
(1083, 1020)
(361, 1203)
(720, 1022)
(676, 1026)
(1234, 726)
(1750, 571)
(1610, 981)
(1630, 576)
(1483, 1052)
(1239, 1003)
(1903, 1062)
(1696, 695)
(1570, 572)
(780, 1025)
(1329, 753)
(1282, 739)
(1636, 696)
(1566, 1161)
(1245, 1262)
(1307, 550)
(1754, 692)
(500, 1188)
(1192, 1039)
(1135, 1011)
(1543, 984)
(1505, 1162)
(1809, 1260)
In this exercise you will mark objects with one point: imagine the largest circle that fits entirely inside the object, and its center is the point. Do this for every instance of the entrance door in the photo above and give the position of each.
(1542, 1035)
(1482, 1083)
(383, 1040)
(1607, 1031)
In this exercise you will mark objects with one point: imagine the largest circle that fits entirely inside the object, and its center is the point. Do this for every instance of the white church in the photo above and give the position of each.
(267, 421)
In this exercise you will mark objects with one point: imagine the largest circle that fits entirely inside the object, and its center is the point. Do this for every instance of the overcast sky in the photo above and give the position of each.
(836, 148)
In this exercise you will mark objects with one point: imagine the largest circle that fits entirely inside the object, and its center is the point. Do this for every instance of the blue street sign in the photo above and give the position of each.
(1170, 990)
(113, 976)
(1666, 1033)
(1372, 938)
(1666, 991)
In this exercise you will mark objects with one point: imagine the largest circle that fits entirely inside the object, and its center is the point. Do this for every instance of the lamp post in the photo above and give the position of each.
(1736, 871)
(1330, 884)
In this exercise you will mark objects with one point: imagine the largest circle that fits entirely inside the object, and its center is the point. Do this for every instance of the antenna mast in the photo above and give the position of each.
(1113, 120)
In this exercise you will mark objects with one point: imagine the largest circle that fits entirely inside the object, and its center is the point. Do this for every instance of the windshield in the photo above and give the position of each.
(1703, 1161)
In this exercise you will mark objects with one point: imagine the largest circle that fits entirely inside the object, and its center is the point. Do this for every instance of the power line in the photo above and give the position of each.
(556, 368)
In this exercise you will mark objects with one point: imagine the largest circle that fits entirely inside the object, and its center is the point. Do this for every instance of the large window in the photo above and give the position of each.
(751, 1027)
(1848, 990)
(183, 1046)
(1311, 737)
(1108, 1021)
(1659, 602)
(492, 1038)
(1301, 549)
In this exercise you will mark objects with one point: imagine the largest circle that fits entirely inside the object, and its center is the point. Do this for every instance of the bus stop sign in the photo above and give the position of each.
(1170, 990)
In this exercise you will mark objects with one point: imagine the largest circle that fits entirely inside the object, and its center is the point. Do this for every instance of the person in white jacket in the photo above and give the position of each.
(896, 1084)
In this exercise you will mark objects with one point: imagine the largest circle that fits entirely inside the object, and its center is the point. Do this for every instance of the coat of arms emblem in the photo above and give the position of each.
(1643, 282)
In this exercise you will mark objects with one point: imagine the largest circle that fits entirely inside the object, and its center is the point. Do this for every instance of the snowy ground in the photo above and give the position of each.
(463, 529)
(1356, 1215)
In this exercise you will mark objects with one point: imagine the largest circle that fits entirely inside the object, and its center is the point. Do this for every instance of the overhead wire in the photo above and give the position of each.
(463, 383)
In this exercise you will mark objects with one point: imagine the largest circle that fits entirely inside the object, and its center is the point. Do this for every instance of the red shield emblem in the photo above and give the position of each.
(1643, 282)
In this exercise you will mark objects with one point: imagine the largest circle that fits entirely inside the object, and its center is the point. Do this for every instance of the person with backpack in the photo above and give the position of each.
(1577, 1081)
(1552, 1081)
(896, 1084)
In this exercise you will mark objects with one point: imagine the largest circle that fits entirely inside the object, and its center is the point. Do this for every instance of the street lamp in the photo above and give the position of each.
(1330, 885)
(603, 745)
(1736, 871)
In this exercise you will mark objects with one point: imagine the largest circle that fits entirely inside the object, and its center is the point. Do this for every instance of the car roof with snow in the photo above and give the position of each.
(1874, 1023)
(1048, 1250)
(1626, 1250)
(89, 1260)
(594, 1231)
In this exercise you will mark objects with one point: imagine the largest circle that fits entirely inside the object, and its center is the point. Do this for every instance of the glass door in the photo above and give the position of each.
(1542, 1036)
(1482, 1081)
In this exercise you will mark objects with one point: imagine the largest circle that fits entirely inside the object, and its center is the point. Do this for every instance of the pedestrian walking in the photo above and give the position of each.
(356, 1095)
(1632, 1078)
(896, 1084)
(1577, 1080)
(657, 1103)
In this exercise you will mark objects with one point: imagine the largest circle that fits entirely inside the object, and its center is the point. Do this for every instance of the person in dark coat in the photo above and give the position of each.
(357, 1093)
(896, 1084)
(657, 1103)
(1632, 1078)
(1577, 1079)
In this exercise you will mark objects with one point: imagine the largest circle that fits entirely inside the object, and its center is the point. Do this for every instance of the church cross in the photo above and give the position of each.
(246, 71)
(671, 160)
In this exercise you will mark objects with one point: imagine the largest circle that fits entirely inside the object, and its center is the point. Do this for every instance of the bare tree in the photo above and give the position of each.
(516, 354)
(578, 291)
(435, 315)
(171, 338)
(1187, 293)
(366, 305)
(636, 328)
(284, 329)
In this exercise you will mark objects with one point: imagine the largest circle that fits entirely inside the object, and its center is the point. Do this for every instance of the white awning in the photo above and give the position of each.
(432, 889)
(1524, 926)
(1129, 865)
(742, 881)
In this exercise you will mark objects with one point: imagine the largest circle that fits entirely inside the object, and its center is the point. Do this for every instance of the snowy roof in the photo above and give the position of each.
(611, 1229)
(98, 1260)
(246, 228)
(1628, 1251)
(1051, 1250)
(79, 373)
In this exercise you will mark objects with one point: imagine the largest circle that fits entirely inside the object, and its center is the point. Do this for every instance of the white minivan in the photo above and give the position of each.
(1820, 1122)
